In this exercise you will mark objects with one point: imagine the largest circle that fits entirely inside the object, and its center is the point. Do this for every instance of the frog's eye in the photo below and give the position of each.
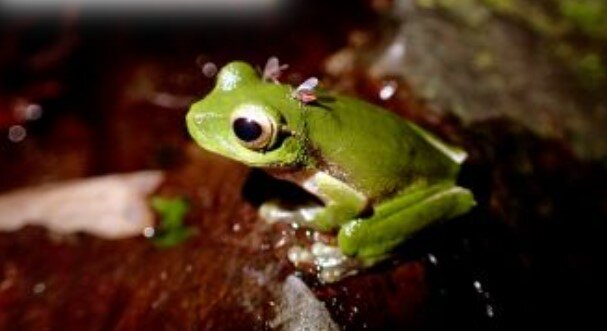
(253, 128)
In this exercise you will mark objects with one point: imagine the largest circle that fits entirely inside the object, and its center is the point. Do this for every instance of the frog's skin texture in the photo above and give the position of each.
(380, 177)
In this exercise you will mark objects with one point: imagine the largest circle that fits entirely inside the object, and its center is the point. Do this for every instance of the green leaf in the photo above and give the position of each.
(171, 230)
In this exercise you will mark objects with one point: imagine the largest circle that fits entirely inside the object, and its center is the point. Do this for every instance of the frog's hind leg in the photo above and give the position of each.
(371, 239)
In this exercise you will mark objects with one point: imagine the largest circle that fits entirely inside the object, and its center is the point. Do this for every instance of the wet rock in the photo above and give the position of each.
(299, 309)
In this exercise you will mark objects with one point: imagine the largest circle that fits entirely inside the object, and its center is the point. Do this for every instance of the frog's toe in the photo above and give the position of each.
(273, 212)
(331, 264)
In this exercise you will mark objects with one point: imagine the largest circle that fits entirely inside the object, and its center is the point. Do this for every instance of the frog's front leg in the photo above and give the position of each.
(370, 240)
(341, 203)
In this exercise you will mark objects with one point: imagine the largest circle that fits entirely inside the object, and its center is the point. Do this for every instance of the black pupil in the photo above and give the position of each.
(247, 129)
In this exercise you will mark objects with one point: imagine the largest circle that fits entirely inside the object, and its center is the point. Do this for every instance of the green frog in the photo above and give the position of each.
(380, 178)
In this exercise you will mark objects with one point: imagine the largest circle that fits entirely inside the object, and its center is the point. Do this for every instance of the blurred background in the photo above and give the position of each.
(90, 88)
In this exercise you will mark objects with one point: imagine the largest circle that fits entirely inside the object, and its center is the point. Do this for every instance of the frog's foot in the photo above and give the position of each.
(330, 263)
(273, 211)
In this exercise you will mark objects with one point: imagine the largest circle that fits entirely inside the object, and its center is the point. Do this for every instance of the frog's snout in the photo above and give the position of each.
(196, 125)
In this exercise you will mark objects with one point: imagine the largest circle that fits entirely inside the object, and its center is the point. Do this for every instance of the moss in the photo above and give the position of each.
(505, 6)
(552, 18)
(591, 70)
(467, 11)
(531, 13)
(588, 16)
(562, 23)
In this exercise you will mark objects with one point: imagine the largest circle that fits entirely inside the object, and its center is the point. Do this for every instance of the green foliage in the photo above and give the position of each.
(560, 22)
(588, 16)
(171, 230)
(591, 70)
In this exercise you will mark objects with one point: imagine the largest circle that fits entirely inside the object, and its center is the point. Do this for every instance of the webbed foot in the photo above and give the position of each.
(273, 211)
(330, 263)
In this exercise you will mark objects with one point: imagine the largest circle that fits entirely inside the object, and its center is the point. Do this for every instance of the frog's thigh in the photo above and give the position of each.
(371, 239)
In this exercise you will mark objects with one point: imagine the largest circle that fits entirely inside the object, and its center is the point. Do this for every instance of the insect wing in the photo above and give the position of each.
(308, 85)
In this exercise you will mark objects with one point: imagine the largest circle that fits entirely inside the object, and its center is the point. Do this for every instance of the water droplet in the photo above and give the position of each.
(478, 286)
(298, 255)
(148, 232)
(160, 300)
(388, 90)
(17, 133)
(397, 49)
(209, 69)
(281, 242)
(490, 311)
(32, 112)
(39, 288)
(25, 111)
(432, 259)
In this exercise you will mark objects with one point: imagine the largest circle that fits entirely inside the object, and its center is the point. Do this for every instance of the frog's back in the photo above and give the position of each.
(376, 150)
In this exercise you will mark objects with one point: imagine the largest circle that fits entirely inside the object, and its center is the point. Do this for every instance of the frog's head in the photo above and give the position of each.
(249, 120)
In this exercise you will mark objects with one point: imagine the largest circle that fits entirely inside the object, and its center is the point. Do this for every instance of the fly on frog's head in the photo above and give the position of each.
(248, 119)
